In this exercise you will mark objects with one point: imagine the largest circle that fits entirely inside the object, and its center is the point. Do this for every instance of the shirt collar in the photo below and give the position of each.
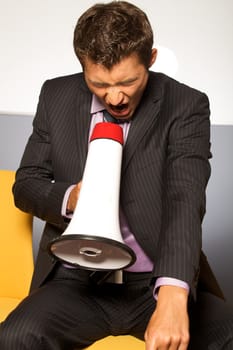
(96, 105)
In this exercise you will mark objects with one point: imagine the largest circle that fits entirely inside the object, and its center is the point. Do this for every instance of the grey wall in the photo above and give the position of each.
(218, 222)
(14, 132)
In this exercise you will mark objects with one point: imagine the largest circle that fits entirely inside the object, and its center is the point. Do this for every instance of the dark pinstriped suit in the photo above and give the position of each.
(164, 174)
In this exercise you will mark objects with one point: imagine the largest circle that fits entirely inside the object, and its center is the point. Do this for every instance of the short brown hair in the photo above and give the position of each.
(107, 33)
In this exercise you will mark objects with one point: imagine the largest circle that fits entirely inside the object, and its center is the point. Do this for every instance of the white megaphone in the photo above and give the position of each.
(93, 238)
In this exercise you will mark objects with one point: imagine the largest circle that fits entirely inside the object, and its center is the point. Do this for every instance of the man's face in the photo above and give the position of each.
(120, 88)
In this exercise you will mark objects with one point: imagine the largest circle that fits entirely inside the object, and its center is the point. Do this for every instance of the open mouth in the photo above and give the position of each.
(119, 109)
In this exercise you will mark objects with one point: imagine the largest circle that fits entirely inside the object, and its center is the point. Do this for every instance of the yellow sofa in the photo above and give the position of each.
(16, 262)
(123, 342)
(16, 256)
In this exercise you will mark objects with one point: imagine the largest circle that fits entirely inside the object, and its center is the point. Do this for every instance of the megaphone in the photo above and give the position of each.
(93, 240)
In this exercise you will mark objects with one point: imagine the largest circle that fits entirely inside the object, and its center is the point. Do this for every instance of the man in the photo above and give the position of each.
(165, 171)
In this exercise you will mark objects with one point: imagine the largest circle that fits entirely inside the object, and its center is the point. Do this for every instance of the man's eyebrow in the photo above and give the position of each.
(128, 81)
(123, 82)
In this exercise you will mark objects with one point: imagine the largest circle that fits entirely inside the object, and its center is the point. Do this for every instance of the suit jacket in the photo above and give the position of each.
(165, 170)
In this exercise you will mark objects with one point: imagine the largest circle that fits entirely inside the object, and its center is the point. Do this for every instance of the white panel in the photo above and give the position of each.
(195, 37)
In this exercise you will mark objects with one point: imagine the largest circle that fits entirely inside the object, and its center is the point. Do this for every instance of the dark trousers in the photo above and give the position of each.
(71, 312)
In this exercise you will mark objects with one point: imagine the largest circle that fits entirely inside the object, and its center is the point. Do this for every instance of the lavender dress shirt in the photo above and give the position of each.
(143, 262)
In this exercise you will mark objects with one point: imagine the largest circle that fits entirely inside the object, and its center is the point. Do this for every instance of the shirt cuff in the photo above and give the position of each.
(168, 281)
(64, 203)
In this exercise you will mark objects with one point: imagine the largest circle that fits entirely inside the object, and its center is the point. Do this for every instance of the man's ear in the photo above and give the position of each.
(153, 57)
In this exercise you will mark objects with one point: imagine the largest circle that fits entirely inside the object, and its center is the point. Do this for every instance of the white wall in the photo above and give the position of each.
(36, 44)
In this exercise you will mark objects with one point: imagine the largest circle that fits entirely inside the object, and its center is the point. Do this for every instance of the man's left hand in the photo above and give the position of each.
(168, 328)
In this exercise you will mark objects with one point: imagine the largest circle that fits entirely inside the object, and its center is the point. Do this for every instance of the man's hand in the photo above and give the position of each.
(168, 328)
(73, 198)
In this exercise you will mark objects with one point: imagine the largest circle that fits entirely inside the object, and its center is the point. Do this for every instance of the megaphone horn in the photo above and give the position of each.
(93, 240)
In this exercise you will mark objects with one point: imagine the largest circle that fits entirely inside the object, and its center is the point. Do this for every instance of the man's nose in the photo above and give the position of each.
(114, 96)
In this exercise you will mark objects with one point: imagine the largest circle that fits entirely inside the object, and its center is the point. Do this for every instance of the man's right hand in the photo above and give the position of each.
(73, 198)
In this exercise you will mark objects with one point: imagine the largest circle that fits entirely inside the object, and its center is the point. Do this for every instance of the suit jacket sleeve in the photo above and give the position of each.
(165, 172)
(185, 179)
(51, 162)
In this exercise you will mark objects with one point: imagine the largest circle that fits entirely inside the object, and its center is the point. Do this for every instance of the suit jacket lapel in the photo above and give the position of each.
(82, 120)
(145, 115)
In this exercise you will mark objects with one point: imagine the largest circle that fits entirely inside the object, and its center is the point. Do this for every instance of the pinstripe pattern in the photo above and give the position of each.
(61, 318)
(164, 174)
(166, 155)
(70, 313)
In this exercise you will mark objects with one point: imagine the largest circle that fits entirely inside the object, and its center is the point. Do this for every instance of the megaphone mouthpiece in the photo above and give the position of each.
(109, 131)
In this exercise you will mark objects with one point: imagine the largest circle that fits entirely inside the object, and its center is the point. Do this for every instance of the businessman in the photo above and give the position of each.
(169, 296)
